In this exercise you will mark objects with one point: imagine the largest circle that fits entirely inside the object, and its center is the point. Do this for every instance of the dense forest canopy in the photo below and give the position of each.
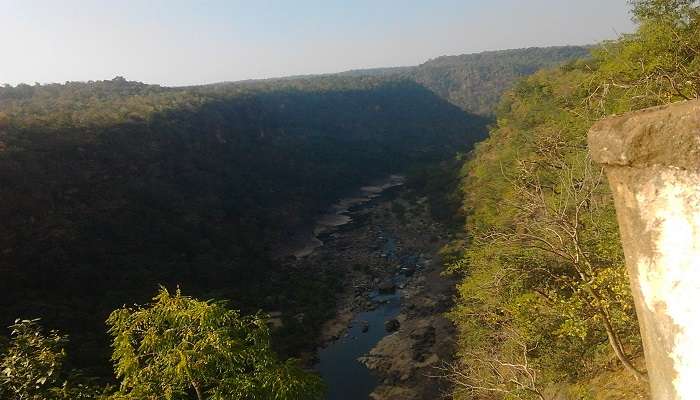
(113, 187)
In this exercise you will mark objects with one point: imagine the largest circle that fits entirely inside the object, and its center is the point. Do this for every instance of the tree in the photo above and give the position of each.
(660, 9)
(488, 372)
(657, 64)
(179, 347)
(562, 216)
(543, 259)
(543, 255)
(32, 367)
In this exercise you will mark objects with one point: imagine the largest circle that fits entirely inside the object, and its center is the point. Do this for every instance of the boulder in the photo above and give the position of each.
(392, 325)
(365, 326)
(387, 287)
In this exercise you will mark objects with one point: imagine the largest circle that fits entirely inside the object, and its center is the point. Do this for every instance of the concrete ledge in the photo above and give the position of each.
(667, 135)
(652, 160)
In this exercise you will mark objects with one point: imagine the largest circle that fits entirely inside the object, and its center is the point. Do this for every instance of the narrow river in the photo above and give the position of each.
(386, 245)
(345, 376)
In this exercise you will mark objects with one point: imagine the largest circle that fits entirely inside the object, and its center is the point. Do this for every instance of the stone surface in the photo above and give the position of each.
(392, 325)
(387, 287)
(667, 136)
(652, 160)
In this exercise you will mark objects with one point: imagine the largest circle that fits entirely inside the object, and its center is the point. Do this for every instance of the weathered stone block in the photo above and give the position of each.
(652, 160)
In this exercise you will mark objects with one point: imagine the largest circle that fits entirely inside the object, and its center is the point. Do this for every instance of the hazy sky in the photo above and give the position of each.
(175, 42)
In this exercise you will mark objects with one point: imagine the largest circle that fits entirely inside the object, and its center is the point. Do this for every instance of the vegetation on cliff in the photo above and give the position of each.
(544, 300)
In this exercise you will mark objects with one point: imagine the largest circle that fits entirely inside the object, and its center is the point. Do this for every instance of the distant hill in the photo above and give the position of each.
(475, 82)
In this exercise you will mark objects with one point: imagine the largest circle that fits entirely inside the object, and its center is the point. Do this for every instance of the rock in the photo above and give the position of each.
(365, 326)
(424, 340)
(275, 320)
(392, 325)
(387, 287)
(651, 160)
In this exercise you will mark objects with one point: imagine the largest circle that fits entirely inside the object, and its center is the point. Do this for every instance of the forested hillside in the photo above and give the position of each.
(544, 304)
(475, 82)
(111, 188)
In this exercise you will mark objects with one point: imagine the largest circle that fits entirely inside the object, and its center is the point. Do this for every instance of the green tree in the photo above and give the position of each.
(661, 9)
(32, 367)
(179, 347)
(657, 64)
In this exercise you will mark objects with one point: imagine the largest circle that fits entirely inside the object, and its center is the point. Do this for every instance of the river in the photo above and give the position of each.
(364, 236)
(340, 359)
(345, 376)
(338, 364)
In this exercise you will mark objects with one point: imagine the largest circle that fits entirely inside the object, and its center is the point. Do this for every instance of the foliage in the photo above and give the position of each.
(128, 186)
(440, 184)
(32, 367)
(177, 347)
(475, 82)
(657, 64)
(543, 260)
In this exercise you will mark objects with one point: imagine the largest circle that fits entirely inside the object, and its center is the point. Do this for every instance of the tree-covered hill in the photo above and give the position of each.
(475, 82)
(111, 188)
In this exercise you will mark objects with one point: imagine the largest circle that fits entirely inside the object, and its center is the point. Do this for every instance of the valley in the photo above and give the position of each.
(401, 233)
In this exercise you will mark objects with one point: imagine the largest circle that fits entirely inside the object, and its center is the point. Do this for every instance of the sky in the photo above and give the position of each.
(177, 42)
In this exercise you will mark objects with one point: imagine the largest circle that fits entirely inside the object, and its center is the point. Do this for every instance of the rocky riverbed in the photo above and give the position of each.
(389, 247)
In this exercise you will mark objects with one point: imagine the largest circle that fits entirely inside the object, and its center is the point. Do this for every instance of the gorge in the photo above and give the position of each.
(399, 233)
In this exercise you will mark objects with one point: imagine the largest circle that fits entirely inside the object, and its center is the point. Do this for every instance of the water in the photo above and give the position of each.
(345, 376)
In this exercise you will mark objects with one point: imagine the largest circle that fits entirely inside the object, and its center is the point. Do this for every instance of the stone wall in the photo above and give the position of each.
(652, 160)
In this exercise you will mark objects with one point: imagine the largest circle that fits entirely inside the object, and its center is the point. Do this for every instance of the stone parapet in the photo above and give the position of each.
(652, 160)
